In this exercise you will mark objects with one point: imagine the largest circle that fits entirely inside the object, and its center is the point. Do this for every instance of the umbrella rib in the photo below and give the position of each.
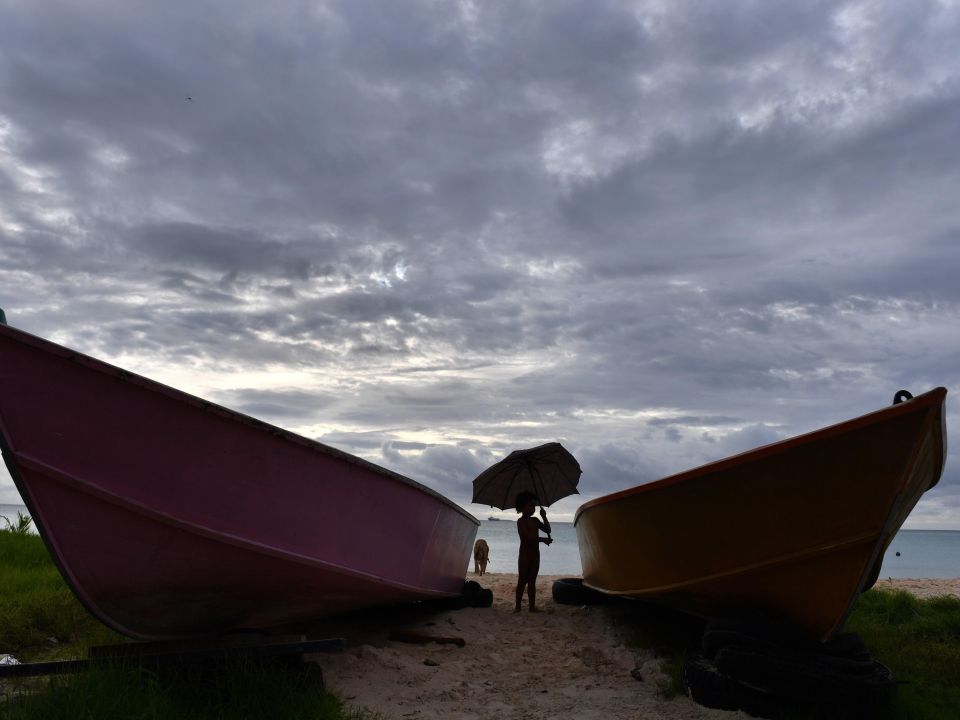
(490, 480)
(534, 476)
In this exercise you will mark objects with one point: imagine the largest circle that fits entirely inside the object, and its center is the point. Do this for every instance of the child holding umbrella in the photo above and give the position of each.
(528, 562)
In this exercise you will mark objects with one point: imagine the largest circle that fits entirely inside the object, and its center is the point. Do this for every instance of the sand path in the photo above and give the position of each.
(565, 662)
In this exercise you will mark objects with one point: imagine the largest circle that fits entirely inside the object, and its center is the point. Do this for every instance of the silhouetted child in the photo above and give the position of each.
(528, 564)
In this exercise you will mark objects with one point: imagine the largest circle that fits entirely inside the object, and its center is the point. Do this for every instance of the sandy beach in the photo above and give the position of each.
(563, 662)
(922, 587)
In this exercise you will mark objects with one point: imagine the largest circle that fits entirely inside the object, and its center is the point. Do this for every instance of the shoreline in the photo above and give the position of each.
(565, 661)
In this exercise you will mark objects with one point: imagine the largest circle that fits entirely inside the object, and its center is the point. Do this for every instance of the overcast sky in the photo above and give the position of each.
(428, 233)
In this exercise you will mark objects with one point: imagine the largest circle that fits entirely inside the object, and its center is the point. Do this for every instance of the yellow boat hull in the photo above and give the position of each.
(796, 529)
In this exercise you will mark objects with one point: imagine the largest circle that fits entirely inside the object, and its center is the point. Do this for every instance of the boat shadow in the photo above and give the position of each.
(378, 626)
(667, 632)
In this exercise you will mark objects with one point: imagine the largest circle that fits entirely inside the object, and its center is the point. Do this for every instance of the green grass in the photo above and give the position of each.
(41, 619)
(919, 640)
(36, 605)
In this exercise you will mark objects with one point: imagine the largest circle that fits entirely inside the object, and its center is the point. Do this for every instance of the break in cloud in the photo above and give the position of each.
(431, 232)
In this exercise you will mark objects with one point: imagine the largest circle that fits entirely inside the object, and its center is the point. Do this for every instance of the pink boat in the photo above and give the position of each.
(169, 516)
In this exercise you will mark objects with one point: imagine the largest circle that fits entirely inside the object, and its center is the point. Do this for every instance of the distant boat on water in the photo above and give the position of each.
(493, 519)
(797, 529)
(170, 516)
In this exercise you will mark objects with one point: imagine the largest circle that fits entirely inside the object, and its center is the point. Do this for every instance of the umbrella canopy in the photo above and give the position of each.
(549, 471)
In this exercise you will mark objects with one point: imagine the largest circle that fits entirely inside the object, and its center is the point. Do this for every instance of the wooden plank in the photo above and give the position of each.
(56, 667)
(192, 651)
(187, 645)
(418, 638)
(168, 653)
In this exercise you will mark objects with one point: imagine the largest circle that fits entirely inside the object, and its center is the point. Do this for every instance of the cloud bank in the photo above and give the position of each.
(429, 233)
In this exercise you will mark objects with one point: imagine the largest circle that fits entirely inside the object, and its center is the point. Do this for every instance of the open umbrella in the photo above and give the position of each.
(549, 471)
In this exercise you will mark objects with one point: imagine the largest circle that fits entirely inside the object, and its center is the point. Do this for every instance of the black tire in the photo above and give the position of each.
(761, 630)
(709, 687)
(768, 636)
(472, 595)
(847, 645)
(771, 685)
(484, 599)
(901, 396)
(572, 591)
(454, 603)
(864, 686)
(715, 640)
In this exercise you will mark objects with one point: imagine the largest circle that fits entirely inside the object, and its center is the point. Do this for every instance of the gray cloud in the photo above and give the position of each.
(430, 234)
(292, 406)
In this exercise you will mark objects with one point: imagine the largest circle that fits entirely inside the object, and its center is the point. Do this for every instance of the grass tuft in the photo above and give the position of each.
(671, 685)
(21, 526)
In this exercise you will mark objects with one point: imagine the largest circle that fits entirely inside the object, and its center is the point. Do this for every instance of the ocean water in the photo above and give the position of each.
(923, 553)
(562, 557)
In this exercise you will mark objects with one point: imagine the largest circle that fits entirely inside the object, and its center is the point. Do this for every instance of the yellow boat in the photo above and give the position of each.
(795, 529)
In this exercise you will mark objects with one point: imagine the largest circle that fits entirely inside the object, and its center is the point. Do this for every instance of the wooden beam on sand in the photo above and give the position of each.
(165, 654)
(417, 638)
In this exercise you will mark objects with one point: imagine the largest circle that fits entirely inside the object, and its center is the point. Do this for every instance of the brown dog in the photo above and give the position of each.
(481, 556)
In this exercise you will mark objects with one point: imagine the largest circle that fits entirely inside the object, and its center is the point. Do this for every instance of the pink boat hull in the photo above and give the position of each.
(169, 516)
